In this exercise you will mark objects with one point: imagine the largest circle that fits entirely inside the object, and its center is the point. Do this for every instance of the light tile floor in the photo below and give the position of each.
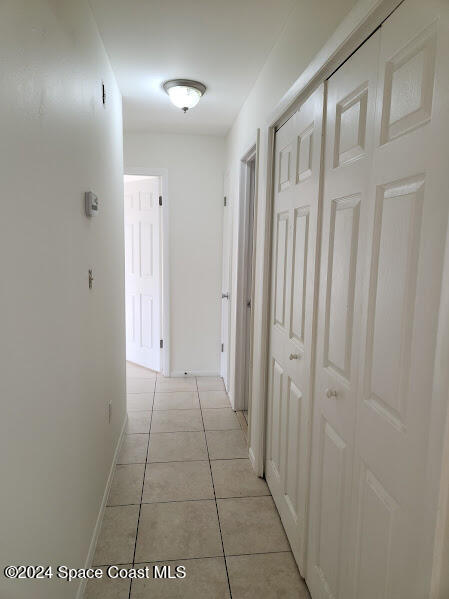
(184, 493)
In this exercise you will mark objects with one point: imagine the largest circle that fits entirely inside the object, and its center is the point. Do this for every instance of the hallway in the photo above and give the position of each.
(184, 494)
(225, 329)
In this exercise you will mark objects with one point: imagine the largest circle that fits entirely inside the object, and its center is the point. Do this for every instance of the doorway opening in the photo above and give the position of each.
(146, 288)
(245, 282)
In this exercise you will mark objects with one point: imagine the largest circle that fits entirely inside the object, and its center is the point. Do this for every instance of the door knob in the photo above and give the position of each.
(293, 357)
(225, 295)
(331, 393)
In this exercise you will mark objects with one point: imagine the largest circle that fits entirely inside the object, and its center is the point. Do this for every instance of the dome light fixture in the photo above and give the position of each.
(184, 93)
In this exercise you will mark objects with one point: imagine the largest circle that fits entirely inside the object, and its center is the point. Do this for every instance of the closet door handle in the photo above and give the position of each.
(293, 357)
(331, 393)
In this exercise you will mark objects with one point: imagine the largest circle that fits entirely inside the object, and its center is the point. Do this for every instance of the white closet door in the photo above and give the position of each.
(385, 221)
(408, 214)
(143, 272)
(346, 196)
(295, 218)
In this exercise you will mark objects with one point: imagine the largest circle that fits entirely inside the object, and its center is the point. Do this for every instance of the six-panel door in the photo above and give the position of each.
(142, 272)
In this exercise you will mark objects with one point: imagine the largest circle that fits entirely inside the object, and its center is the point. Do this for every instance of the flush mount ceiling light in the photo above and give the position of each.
(184, 93)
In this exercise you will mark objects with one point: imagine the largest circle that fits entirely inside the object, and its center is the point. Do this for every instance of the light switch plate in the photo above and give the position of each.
(91, 203)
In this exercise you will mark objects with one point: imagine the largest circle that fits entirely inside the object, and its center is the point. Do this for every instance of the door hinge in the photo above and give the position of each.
(160, 200)
(225, 201)
(222, 347)
(161, 343)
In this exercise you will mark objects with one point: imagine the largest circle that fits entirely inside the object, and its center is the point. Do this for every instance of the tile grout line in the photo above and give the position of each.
(187, 559)
(141, 493)
(185, 500)
(215, 495)
(177, 461)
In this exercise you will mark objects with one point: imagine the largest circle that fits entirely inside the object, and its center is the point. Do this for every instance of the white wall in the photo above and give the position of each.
(62, 346)
(309, 26)
(195, 195)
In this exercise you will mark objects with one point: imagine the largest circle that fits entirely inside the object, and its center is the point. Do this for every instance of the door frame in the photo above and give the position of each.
(361, 22)
(241, 291)
(165, 259)
(225, 336)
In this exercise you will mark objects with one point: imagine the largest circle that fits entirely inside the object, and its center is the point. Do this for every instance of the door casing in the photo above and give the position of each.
(242, 292)
(226, 284)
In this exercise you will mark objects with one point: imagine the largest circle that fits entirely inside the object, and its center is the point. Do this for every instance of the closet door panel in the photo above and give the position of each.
(348, 157)
(295, 220)
(407, 234)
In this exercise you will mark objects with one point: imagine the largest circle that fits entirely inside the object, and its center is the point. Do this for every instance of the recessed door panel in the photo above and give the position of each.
(280, 268)
(350, 126)
(299, 273)
(146, 249)
(292, 447)
(276, 411)
(129, 248)
(376, 530)
(331, 498)
(285, 168)
(343, 243)
(131, 318)
(409, 83)
(304, 159)
(396, 232)
(147, 317)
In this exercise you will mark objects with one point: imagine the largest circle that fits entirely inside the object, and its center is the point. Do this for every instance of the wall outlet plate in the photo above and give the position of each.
(91, 203)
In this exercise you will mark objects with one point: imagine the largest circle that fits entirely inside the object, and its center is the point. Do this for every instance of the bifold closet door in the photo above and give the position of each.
(384, 234)
(394, 508)
(295, 218)
(351, 95)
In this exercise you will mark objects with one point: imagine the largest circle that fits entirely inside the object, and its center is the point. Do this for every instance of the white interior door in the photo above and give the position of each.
(226, 286)
(295, 221)
(385, 221)
(143, 272)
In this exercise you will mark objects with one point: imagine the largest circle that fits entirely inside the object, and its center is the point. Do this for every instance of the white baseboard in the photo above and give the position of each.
(178, 373)
(97, 528)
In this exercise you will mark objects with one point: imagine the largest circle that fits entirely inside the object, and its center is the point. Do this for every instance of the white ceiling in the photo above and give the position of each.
(222, 43)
